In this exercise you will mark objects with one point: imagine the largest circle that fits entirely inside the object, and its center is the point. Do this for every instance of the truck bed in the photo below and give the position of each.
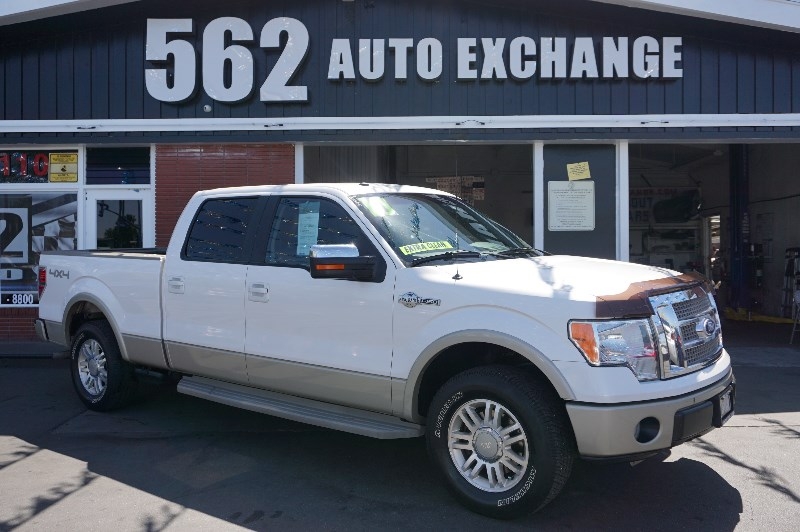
(124, 284)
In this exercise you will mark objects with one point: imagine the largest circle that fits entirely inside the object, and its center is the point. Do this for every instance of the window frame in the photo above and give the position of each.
(250, 233)
(259, 254)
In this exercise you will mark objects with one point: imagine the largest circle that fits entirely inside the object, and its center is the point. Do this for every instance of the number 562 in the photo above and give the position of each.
(180, 84)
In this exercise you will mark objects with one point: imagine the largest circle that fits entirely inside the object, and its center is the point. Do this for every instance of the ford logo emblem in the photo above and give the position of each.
(706, 327)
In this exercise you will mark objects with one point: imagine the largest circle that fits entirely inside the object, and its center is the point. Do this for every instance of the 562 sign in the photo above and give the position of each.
(228, 73)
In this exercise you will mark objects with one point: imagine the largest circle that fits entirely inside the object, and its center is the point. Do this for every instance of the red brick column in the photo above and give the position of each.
(182, 170)
(16, 324)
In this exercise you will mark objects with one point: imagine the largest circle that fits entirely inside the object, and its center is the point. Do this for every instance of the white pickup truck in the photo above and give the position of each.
(392, 312)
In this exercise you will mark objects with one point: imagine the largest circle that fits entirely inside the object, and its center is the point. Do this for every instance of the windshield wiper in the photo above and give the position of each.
(447, 255)
(518, 252)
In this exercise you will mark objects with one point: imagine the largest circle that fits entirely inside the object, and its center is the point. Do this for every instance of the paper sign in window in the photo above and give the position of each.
(570, 205)
(578, 171)
(307, 227)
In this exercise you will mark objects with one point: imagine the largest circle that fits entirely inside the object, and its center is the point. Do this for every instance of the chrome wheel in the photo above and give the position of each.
(92, 367)
(488, 445)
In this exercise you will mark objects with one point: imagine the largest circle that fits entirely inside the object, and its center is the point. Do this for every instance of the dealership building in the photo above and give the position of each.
(658, 132)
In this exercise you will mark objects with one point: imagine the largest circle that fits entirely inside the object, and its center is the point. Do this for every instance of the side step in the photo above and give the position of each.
(317, 413)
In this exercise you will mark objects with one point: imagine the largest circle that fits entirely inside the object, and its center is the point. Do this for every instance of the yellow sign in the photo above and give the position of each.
(63, 167)
(578, 171)
(424, 246)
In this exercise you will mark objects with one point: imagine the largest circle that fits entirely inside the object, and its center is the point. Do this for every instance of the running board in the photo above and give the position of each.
(317, 413)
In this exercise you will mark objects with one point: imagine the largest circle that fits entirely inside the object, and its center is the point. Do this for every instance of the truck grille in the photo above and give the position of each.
(688, 329)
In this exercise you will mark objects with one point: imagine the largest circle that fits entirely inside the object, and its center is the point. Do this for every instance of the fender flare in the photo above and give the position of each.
(524, 349)
(89, 298)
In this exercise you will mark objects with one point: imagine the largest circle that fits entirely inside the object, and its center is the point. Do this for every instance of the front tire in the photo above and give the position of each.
(102, 379)
(501, 440)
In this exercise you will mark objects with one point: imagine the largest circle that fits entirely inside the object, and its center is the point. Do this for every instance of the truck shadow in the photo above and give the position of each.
(174, 457)
(177, 456)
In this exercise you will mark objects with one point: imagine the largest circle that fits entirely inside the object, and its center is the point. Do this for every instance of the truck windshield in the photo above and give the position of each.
(427, 226)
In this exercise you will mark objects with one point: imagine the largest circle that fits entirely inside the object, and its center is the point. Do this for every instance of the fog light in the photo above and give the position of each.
(647, 430)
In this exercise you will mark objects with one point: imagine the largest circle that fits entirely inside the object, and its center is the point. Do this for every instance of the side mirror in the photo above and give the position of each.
(341, 261)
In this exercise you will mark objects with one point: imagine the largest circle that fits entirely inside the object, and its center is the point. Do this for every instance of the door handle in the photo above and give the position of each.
(175, 285)
(258, 292)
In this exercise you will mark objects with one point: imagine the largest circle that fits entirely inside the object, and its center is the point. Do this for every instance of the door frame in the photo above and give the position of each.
(92, 195)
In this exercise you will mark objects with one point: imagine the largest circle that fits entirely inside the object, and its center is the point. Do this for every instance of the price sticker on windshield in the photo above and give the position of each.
(425, 246)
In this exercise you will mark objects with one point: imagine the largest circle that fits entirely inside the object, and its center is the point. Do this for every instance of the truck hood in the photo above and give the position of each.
(618, 289)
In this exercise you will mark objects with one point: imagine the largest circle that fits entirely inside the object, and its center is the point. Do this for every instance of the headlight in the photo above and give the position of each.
(618, 343)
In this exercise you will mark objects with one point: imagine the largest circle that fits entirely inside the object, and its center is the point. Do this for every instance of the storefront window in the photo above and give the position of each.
(29, 225)
(119, 224)
(118, 166)
(34, 218)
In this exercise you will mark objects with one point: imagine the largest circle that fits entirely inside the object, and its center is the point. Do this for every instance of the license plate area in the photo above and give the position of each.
(698, 419)
(724, 405)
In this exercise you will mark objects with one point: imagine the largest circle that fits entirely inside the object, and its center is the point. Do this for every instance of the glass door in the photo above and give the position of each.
(119, 219)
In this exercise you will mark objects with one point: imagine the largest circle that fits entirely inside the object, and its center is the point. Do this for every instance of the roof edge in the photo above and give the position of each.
(783, 15)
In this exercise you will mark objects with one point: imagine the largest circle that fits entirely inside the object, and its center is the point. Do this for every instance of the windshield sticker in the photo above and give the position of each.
(425, 246)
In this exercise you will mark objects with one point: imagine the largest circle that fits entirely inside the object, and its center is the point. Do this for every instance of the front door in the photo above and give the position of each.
(119, 219)
(327, 339)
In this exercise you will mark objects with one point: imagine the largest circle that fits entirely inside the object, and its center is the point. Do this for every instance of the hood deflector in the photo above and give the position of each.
(635, 302)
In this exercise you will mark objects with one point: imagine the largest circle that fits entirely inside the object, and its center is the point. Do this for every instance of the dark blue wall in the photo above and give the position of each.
(91, 66)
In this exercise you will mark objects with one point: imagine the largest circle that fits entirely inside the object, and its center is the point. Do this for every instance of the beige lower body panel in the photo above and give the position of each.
(606, 431)
(207, 362)
(145, 351)
(359, 390)
(347, 388)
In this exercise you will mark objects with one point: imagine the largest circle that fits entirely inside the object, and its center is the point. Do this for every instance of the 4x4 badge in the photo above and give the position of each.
(411, 300)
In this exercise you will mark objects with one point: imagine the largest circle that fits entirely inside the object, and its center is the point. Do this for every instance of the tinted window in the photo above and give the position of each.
(118, 166)
(219, 229)
(303, 222)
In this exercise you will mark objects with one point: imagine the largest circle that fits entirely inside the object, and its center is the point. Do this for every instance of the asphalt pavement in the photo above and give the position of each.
(172, 462)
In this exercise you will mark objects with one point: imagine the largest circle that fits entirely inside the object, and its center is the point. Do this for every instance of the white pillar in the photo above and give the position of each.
(538, 195)
(623, 202)
(299, 167)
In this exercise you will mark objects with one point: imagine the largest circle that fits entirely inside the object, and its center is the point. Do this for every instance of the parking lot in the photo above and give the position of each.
(179, 463)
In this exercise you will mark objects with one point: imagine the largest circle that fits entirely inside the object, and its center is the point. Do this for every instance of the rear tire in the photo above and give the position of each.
(501, 440)
(102, 379)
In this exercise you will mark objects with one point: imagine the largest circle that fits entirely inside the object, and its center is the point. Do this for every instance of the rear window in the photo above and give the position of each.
(219, 229)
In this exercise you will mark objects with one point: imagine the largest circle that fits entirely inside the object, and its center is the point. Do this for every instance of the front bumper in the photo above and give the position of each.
(636, 429)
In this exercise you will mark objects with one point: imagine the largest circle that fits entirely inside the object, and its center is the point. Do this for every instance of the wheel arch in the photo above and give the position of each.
(84, 307)
(460, 351)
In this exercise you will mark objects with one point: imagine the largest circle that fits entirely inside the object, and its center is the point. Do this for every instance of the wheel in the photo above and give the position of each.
(101, 377)
(501, 440)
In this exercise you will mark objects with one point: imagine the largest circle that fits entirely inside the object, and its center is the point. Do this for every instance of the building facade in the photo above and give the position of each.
(586, 127)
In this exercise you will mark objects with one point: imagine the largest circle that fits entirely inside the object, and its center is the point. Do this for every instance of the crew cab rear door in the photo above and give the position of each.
(204, 290)
(327, 339)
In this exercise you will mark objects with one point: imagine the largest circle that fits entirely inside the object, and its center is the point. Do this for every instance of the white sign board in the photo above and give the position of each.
(570, 205)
